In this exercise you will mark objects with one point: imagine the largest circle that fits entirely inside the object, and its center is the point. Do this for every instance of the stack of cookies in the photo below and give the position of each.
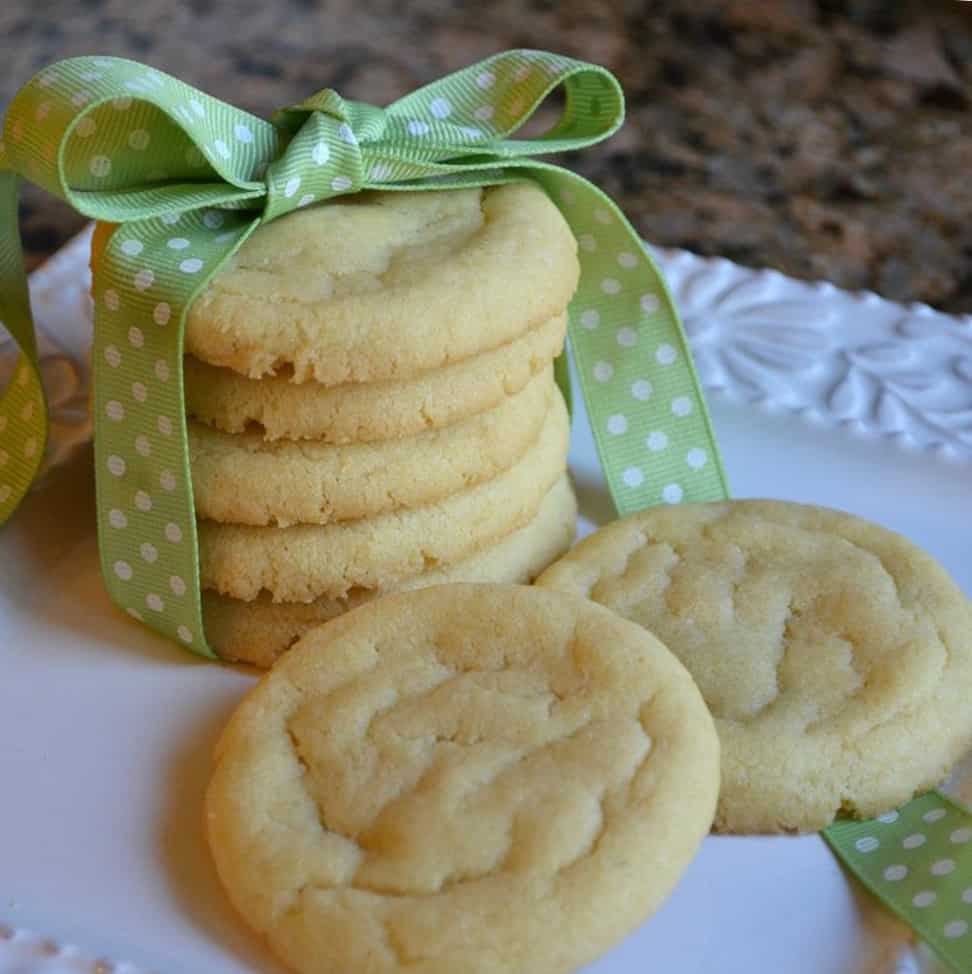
(372, 407)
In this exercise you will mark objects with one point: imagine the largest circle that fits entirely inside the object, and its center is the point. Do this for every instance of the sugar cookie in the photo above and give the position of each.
(466, 778)
(835, 655)
(387, 285)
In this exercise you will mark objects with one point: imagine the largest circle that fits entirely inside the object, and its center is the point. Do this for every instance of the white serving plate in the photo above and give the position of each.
(107, 730)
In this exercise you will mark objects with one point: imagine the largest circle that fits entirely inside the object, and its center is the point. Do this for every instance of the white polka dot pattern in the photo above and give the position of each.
(917, 861)
(634, 355)
(611, 285)
(665, 355)
(672, 493)
(656, 441)
(681, 406)
(603, 371)
(148, 512)
(144, 279)
(696, 458)
(617, 424)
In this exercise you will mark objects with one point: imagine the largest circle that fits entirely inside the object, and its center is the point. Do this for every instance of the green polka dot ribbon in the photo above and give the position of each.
(187, 178)
(918, 862)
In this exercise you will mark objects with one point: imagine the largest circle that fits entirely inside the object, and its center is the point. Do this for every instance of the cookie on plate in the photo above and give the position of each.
(383, 286)
(835, 656)
(477, 778)
(241, 479)
(259, 631)
(361, 412)
(307, 561)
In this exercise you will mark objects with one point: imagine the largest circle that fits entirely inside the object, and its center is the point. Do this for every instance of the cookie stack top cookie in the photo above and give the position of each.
(385, 286)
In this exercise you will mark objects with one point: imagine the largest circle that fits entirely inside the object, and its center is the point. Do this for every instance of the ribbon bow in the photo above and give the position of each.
(188, 178)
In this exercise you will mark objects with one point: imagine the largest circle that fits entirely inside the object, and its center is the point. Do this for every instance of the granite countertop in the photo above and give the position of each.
(826, 138)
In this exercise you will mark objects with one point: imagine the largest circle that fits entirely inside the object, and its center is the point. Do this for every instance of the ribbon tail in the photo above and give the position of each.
(927, 888)
(142, 289)
(644, 401)
(23, 407)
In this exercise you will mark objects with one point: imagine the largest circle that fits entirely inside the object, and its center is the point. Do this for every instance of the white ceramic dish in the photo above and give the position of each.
(107, 730)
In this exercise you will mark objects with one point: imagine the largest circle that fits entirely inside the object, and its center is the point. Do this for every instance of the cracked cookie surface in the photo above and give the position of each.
(480, 778)
(835, 656)
(387, 285)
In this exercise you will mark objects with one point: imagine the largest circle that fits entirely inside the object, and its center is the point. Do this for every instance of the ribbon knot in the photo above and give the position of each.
(321, 157)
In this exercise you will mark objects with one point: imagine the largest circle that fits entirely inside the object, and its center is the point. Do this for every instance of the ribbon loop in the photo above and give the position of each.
(120, 141)
(480, 107)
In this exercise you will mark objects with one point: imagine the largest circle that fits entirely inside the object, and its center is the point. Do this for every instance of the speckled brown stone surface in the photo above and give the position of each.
(827, 138)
